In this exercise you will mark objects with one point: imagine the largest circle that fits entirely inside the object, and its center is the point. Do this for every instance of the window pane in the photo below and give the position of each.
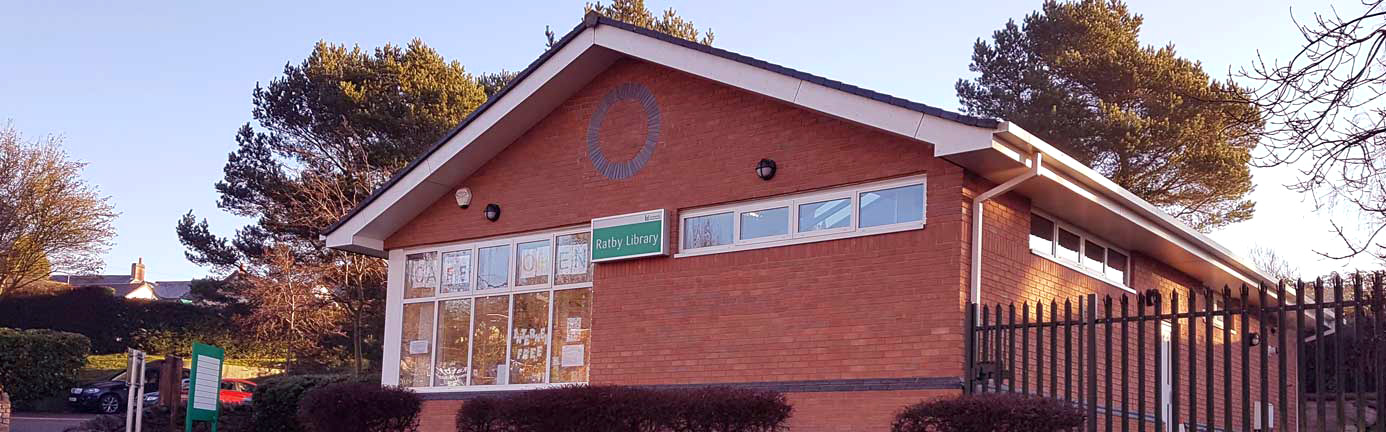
(488, 336)
(493, 268)
(572, 327)
(710, 230)
(454, 330)
(457, 272)
(1068, 245)
(420, 275)
(765, 223)
(532, 263)
(1041, 234)
(825, 215)
(891, 206)
(1094, 256)
(529, 339)
(416, 345)
(574, 259)
(1116, 266)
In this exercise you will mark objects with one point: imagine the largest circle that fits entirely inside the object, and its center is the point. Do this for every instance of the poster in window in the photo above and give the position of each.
(572, 259)
(573, 355)
(421, 275)
(533, 263)
(574, 264)
(457, 272)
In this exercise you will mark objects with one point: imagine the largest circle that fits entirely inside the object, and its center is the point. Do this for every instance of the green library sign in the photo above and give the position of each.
(204, 387)
(628, 236)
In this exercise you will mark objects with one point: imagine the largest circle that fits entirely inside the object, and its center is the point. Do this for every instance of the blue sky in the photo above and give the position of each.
(151, 93)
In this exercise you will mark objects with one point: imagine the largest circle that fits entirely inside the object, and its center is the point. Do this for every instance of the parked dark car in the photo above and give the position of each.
(109, 396)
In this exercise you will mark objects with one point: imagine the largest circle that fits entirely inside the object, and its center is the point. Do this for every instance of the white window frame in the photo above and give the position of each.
(509, 292)
(1080, 265)
(852, 193)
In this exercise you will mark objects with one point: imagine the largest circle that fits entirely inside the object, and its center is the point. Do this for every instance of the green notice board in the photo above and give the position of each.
(204, 387)
(629, 236)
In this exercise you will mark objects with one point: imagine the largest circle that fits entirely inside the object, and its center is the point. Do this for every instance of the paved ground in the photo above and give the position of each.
(45, 422)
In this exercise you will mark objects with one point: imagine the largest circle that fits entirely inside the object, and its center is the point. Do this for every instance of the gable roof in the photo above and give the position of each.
(994, 149)
(593, 20)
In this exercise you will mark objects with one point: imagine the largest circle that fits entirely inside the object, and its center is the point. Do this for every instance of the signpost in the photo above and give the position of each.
(134, 393)
(629, 236)
(204, 387)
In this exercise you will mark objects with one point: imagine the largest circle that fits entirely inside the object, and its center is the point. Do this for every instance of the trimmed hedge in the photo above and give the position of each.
(992, 412)
(360, 407)
(35, 364)
(115, 324)
(276, 401)
(627, 409)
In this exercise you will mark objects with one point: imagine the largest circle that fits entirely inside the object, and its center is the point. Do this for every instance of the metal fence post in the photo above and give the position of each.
(1092, 362)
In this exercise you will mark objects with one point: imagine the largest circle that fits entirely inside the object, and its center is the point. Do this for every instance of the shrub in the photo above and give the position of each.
(105, 423)
(627, 409)
(276, 400)
(359, 407)
(35, 364)
(233, 418)
(997, 412)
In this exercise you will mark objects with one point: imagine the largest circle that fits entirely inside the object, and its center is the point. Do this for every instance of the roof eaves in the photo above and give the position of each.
(463, 124)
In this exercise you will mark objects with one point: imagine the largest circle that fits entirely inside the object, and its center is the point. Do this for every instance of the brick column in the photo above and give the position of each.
(4, 410)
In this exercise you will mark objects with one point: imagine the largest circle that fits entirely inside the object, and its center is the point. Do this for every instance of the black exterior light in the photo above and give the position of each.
(492, 212)
(1253, 338)
(765, 169)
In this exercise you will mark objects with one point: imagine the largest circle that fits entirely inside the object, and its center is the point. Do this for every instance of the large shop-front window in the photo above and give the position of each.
(512, 311)
(874, 208)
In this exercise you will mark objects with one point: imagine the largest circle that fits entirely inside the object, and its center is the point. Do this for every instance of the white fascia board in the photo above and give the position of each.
(522, 91)
(394, 315)
(1073, 175)
(950, 137)
(840, 104)
(730, 72)
(946, 135)
(354, 235)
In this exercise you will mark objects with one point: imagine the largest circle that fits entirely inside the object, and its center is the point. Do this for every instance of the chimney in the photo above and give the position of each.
(137, 271)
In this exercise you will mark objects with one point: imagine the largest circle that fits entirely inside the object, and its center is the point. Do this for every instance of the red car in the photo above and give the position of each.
(236, 391)
(233, 391)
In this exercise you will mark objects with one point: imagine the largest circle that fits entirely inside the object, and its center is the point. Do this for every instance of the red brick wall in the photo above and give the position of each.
(882, 306)
(1012, 273)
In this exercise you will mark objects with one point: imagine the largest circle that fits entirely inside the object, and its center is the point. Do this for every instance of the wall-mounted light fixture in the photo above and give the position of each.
(1253, 338)
(464, 197)
(492, 212)
(765, 169)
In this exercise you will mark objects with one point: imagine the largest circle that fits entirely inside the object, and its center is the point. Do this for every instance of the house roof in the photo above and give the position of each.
(124, 285)
(172, 290)
(995, 149)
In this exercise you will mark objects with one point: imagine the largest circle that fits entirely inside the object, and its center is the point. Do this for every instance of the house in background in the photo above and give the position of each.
(131, 286)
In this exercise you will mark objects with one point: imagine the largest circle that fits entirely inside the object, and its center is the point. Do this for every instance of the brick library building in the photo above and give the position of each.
(637, 209)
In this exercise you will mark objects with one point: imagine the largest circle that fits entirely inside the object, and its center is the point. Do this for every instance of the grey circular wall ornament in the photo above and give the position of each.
(623, 170)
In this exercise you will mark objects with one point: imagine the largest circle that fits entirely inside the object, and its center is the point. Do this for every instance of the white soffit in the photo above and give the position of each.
(1110, 211)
